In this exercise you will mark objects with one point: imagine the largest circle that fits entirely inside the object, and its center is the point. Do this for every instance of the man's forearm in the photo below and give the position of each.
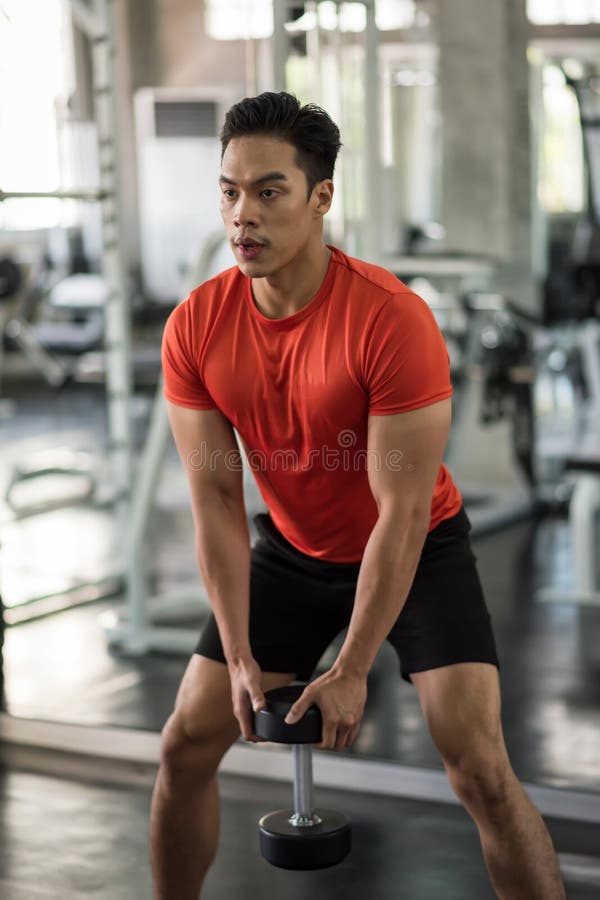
(223, 553)
(386, 575)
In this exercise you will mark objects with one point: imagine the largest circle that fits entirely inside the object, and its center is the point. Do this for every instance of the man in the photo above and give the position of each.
(336, 377)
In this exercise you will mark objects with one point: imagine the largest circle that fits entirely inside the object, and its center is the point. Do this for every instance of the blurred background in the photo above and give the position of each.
(470, 169)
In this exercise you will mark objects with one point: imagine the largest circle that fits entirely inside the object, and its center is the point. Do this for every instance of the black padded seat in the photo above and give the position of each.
(583, 462)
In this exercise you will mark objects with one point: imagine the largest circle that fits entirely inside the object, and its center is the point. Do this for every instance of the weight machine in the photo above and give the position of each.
(581, 301)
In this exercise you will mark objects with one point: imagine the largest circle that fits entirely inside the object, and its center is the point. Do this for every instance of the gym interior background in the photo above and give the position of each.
(471, 169)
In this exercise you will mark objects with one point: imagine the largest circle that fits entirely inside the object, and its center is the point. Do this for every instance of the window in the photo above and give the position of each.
(32, 84)
(562, 175)
(229, 20)
(563, 12)
(241, 19)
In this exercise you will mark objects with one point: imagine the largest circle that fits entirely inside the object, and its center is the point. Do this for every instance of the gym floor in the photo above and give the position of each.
(63, 837)
(59, 668)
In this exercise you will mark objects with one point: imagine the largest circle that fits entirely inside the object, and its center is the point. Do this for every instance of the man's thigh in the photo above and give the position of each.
(461, 705)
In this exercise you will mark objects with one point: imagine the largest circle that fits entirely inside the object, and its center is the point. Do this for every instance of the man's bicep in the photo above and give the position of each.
(206, 443)
(406, 451)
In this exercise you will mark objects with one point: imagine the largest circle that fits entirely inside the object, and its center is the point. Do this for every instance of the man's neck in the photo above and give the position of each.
(289, 290)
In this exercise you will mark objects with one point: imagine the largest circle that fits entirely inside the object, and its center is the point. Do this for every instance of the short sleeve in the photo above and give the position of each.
(183, 384)
(406, 364)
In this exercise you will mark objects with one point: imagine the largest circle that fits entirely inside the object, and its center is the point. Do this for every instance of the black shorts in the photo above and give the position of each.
(299, 604)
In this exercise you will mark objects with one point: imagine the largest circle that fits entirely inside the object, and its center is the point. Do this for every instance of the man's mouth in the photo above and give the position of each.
(248, 248)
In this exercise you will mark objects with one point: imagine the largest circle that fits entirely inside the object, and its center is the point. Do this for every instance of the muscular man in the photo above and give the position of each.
(336, 377)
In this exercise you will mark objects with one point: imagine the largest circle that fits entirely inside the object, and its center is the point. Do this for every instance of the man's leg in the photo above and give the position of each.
(184, 822)
(461, 704)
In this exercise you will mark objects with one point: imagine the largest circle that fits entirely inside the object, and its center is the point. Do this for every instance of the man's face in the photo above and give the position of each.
(263, 203)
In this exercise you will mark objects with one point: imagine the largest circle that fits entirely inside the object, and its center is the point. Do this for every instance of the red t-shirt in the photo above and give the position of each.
(299, 391)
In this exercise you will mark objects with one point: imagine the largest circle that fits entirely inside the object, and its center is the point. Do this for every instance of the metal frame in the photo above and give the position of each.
(373, 176)
(135, 632)
(98, 23)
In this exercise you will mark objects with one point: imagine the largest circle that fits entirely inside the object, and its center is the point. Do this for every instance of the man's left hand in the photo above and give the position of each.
(341, 699)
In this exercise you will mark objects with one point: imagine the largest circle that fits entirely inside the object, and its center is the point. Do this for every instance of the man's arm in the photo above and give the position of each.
(403, 489)
(404, 458)
(210, 455)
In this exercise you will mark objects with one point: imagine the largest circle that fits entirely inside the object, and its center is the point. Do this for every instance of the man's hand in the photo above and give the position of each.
(247, 695)
(341, 699)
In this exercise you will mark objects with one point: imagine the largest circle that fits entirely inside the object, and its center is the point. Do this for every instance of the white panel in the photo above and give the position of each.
(178, 191)
(179, 207)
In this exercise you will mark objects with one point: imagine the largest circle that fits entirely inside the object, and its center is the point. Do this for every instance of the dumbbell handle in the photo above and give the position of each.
(303, 779)
(303, 787)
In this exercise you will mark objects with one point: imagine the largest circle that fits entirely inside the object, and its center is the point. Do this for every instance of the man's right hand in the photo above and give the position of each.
(247, 695)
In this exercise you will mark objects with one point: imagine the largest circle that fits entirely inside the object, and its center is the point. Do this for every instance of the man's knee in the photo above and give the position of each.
(192, 753)
(481, 777)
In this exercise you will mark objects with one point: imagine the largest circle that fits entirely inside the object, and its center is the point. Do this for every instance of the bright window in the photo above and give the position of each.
(241, 19)
(32, 83)
(562, 174)
(238, 19)
(563, 12)
(392, 14)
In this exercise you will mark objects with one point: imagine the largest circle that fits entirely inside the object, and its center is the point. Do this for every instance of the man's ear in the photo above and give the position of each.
(322, 196)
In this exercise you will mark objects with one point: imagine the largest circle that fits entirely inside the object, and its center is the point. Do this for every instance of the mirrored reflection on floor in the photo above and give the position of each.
(402, 849)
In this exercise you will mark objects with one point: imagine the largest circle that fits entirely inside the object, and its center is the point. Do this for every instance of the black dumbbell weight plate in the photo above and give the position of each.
(269, 721)
(312, 847)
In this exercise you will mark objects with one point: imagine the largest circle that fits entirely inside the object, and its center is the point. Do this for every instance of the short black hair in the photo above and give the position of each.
(308, 128)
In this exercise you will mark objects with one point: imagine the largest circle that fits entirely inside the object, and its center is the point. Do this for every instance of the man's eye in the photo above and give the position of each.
(229, 193)
(269, 192)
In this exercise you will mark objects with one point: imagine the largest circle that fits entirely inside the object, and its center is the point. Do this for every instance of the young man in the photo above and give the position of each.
(336, 377)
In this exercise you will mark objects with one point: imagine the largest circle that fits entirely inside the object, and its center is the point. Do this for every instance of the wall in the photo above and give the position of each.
(484, 91)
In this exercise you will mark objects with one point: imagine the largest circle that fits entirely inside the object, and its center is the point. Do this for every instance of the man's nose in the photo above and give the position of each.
(245, 212)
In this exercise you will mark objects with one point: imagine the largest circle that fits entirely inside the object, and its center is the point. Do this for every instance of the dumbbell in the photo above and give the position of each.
(303, 837)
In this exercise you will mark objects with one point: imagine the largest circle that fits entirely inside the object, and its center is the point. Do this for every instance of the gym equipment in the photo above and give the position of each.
(572, 286)
(583, 518)
(493, 425)
(10, 285)
(572, 294)
(72, 468)
(303, 837)
(10, 278)
(70, 321)
(567, 403)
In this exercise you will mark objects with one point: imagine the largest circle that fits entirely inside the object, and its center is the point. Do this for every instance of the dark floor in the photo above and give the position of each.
(62, 839)
(59, 667)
